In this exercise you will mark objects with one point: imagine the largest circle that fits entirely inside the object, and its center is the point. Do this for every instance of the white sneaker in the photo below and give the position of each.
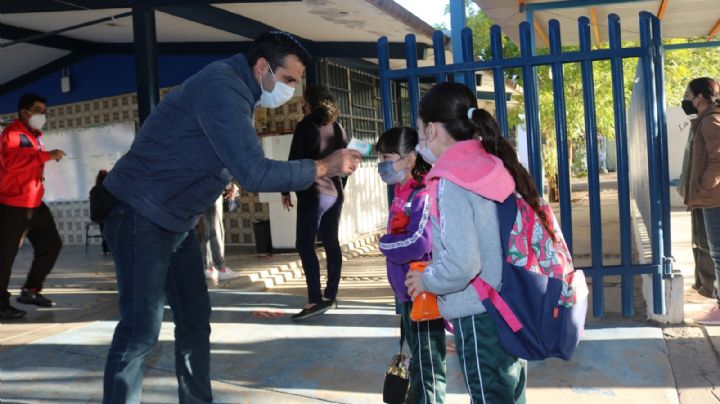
(712, 317)
(226, 273)
(211, 273)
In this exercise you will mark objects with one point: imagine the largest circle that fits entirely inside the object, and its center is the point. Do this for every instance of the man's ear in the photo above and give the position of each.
(261, 67)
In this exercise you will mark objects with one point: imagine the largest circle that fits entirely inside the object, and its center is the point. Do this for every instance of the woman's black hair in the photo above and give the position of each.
(403, 141)
(708, 87)
(448, 104)
(323, 108)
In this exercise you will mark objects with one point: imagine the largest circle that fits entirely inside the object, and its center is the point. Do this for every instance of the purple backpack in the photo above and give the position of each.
(539, 311)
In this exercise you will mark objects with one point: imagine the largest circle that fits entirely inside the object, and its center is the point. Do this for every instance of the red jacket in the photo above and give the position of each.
(22, 159)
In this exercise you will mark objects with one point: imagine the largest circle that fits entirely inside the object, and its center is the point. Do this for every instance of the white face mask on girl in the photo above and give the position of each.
(279, 95)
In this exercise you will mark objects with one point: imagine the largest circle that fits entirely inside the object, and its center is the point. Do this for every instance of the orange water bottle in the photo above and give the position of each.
(425, 304)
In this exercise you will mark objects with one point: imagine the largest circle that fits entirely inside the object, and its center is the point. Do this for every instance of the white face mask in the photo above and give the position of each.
(280, 94)
(37, 121)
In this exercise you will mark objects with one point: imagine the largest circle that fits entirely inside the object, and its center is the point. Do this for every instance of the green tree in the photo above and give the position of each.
(681, 66)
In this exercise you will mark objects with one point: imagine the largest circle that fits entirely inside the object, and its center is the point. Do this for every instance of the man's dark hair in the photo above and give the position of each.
(27, 101)
(274, 46)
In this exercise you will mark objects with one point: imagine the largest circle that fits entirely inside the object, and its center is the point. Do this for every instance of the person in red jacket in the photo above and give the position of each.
(22, 212)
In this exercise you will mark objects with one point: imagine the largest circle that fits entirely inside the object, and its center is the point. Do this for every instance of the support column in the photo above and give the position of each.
(146, 74)
(457, 23)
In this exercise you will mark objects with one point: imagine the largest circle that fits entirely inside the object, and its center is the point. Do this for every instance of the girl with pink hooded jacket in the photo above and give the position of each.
(474, 168)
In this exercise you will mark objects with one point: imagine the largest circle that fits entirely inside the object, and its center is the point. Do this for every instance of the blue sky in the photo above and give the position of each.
(431, 11)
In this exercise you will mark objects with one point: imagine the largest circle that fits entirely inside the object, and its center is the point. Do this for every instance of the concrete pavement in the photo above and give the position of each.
(57, 355)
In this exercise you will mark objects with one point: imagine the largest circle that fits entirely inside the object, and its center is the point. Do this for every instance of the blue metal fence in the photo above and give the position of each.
(650, 55)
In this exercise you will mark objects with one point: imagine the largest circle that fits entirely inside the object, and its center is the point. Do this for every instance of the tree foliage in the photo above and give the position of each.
(681, 66)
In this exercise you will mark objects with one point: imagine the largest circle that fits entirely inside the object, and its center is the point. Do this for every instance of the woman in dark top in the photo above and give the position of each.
(93, 201)
(319, 207)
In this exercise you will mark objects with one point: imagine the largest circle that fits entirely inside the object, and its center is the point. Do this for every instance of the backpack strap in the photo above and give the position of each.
(486, 291)
(507, 214)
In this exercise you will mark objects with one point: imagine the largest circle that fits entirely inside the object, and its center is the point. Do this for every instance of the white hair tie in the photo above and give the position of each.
(470, 112)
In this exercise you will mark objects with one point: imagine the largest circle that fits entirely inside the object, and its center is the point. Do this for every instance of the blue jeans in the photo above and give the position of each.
(712, 227)
(153, 264)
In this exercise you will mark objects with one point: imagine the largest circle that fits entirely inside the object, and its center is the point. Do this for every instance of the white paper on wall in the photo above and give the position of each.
(88, 151)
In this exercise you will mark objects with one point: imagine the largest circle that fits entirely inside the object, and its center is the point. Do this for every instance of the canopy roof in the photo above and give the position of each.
(35, 39)
(681, 18)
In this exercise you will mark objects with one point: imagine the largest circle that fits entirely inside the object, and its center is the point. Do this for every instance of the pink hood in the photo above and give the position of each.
(469, 166)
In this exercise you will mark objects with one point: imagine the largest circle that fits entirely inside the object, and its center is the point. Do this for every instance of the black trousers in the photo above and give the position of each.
(38, 226)
(704, 265)
(319, 215)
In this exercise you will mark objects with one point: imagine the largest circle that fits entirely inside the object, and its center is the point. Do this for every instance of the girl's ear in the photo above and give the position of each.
(411, 158)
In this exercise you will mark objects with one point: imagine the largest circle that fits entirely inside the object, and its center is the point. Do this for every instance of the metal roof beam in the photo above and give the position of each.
(23, 35)
(662, 9)
(42, 6)
(594, 24)
(714, 31)
(574, 4)
(692, 45)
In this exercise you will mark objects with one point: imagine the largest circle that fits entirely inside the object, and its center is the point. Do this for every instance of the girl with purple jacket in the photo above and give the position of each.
(409, 240)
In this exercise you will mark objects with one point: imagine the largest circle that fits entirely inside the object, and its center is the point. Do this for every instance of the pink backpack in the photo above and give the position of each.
(540, 308)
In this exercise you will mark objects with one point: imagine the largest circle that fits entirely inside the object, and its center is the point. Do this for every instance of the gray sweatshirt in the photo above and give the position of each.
(466, 243)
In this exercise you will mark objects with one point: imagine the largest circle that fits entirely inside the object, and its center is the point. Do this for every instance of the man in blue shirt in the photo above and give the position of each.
(193, 143)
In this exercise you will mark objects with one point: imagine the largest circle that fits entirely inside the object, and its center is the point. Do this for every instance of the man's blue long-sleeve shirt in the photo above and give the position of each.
(194, 142)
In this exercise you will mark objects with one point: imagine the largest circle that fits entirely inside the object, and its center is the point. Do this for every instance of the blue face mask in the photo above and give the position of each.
(426, 154)
(388, 174)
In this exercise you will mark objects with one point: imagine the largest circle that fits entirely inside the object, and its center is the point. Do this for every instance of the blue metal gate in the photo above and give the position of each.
(650, 90)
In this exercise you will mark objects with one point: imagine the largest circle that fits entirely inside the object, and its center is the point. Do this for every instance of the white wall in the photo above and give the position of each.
(87, 150)
(364, 210)
(678, 129)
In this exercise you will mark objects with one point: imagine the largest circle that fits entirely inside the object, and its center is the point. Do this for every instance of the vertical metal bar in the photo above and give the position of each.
(561, 134)
(312, 73)
(623, 169)
(499, 80)
(413, 81)
(385, 93)
(439, 51)
(588, 86)
(532, 113)
(654, 183)
(457, 22)
(659, 63)
(530, 18)
(398, 101)
(146, 74)
(467, 56)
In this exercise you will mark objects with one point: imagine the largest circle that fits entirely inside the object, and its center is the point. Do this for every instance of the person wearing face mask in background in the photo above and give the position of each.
(22, 212)
(318, 134)
(701, 182)
(198, 138)
(408, 240)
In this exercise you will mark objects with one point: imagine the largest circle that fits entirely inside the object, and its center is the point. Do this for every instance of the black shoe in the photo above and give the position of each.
(11, 313)
(28, 296)
(332, 304)
(318, 308)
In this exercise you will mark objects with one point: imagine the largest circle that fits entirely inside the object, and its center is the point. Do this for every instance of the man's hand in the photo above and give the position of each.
(56, 154)
(340, 162)
(230, 192)
(287, 202)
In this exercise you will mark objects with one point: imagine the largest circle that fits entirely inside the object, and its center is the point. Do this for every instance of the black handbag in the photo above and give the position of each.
(397, 377)
(101, 200)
